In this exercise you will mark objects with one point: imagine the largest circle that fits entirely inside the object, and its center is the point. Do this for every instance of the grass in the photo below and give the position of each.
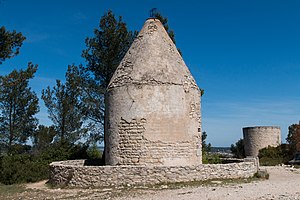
(8, 190)
(208, 183)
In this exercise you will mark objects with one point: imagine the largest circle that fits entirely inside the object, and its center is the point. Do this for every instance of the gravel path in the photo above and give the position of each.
(284, 183)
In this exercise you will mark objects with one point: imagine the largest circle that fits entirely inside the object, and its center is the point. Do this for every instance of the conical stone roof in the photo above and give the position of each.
(153, 58)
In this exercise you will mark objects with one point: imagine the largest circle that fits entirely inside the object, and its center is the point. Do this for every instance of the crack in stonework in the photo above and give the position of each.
(126, 80)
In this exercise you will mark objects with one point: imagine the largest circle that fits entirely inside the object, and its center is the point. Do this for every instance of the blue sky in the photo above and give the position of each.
(245, 54)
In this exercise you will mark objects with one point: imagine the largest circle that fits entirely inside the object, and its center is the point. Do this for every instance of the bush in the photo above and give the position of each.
(208, 158)
(29, 167)
(238, 149)
(21, 168)
(271, 156)
(94, 153)
(262, 174)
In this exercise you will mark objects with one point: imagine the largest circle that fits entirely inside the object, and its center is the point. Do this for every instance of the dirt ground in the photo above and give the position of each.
(284, 183)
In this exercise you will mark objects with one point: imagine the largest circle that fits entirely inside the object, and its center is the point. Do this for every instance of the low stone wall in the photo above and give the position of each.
(74, 174)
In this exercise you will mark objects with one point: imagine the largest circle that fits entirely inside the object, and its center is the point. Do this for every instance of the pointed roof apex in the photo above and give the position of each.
(152, 59)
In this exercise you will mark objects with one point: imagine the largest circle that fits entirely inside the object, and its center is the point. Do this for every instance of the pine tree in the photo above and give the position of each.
(43, 137)
(62, 102)
(10, 43)
(293, 137)
(91, 105)
(107, 48)
(103, 54)
(18, 105)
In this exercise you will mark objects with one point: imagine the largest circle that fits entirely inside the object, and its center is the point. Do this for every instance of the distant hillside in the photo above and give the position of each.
(220, 150)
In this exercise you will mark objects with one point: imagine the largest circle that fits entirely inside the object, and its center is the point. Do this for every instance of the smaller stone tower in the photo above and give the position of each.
(259, 137)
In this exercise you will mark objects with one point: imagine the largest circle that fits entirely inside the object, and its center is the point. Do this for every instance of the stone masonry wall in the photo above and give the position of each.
(74, 174)
(259, 137)
(134, 148)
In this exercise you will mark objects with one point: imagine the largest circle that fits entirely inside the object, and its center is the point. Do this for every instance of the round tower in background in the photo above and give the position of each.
(152, 105)
(259, 137)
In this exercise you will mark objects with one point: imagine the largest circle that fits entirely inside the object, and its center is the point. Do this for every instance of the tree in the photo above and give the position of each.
(293, 137)
(275, 155)
(103, 54)
(10, 43)
(18, 105)
(43, 137)
(62, 103)
(91, 105)
(238, 149)
(205, 147)
(207, 157)
(107, 48)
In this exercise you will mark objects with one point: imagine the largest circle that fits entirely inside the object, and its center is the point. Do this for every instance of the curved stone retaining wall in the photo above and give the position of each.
(73, 173)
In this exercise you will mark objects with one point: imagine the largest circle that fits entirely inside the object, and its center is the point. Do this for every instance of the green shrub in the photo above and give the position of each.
(211, 159)
(262, 174)
(94, 153)
(238, 149)
(271, 156)
(29, 167)
(21, 168)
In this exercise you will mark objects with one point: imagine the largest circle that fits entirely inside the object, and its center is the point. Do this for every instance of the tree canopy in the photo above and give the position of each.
(107, 48)
(238, 149)
(10, 43)
(104, 51)
(18, 105)
(293, 137)
(62, 102)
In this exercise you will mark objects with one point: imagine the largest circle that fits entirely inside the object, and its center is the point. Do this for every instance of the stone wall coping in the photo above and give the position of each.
(68, 163)
(262, 127)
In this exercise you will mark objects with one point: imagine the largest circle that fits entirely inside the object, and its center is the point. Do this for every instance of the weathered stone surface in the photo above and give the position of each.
(259, 137)
(153, 105)
(74, 174)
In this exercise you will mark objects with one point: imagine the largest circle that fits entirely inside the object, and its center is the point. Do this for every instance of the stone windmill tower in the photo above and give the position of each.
(153, 105)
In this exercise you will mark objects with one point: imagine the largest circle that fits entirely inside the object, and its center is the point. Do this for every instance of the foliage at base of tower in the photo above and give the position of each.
(238, 149)
(272, 156)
